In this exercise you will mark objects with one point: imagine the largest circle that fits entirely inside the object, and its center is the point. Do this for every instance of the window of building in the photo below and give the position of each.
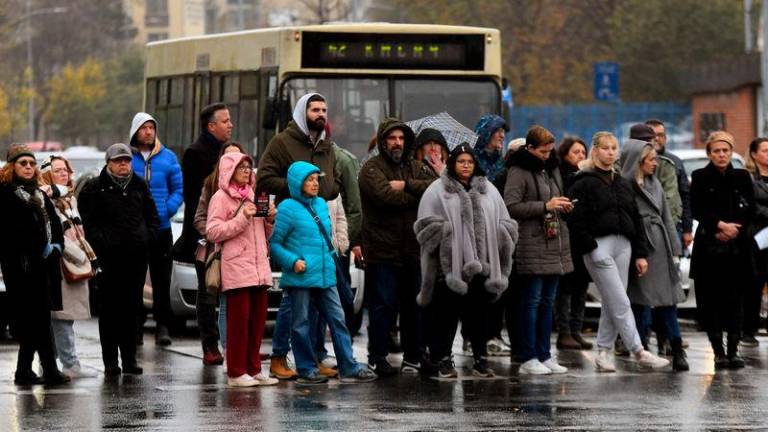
(710, 122)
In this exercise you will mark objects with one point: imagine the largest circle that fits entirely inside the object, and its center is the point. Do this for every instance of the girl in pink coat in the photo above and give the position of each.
(245, 271)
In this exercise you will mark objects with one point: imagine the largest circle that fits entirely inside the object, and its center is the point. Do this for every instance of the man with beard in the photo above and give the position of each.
(304, 139)
(391, 185)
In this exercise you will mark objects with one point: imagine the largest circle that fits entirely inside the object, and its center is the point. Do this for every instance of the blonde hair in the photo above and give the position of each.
(648, 150)
(598, 139)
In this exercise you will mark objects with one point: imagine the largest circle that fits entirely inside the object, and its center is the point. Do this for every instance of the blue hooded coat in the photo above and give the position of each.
(296, 235)
(492, 164)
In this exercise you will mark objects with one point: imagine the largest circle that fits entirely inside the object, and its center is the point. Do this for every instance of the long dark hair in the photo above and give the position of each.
(565, 147)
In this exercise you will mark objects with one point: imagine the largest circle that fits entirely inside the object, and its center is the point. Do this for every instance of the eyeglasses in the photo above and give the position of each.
(122, 160)
(244, 168)
(27, 162)
(465, 162)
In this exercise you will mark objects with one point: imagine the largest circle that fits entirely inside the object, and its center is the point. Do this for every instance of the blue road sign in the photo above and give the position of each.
(607, 81)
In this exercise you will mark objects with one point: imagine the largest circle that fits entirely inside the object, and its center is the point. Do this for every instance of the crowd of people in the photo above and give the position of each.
(476, 234)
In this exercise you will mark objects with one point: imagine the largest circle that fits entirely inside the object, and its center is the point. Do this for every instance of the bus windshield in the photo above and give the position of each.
(357, 105)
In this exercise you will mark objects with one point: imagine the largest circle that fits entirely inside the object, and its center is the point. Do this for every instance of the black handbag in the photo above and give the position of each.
(342, 283)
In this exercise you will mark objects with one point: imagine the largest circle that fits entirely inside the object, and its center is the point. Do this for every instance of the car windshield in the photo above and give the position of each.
(357, 105)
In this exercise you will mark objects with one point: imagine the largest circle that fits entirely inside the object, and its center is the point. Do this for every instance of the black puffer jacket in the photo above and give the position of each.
(604, 208)
(114, 218)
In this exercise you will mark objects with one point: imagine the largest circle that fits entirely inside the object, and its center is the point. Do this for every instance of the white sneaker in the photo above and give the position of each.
(329, 362)
(534, 367)
(650, 360)
(243, 380)
(263, 380)
(76, 371)
(604, 361)
(553, 366)
(497, 347)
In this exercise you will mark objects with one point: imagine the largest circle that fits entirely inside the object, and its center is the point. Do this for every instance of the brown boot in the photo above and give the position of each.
(567, 342)
(326, 371)
(585, 344)
(278, 368)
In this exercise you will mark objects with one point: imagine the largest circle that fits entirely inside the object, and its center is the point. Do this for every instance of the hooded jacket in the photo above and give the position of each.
(389, 215)
(297, 237)
(162, 172)
(491, 163)
(530, 183)
(243, 239)
(294, 144)
(661, 286)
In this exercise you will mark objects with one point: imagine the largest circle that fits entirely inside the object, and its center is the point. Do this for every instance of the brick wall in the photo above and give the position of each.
(739, 109)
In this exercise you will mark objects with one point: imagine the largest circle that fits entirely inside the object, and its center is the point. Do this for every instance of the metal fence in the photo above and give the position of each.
(583, 120)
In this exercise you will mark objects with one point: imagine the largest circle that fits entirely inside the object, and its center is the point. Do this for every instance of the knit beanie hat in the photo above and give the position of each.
(458, 151)
(429, 134)
(16, 151)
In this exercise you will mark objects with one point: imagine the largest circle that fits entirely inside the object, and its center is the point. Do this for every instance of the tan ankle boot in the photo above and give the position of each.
(278, 368)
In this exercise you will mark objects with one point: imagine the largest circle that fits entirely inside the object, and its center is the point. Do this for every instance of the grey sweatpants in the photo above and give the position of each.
(609, 267)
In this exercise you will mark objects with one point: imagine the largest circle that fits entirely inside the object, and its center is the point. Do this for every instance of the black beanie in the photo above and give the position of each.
(430, 134)
(458, 151)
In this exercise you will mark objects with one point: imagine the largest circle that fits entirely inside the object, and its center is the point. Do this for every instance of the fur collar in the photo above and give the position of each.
(478, 183)
(524, 159)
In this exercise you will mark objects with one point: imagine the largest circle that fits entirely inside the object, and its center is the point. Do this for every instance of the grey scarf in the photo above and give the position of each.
(122, 182)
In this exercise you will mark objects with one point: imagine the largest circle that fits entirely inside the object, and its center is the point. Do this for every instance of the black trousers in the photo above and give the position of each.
(570, 303)
(32, 324)
(447, 308)
(719, 300)
(121, 283)
(160, 269)
(207, 317)
(753, 298)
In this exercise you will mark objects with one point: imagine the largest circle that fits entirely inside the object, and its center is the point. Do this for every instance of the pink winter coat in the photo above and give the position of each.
(244, 251)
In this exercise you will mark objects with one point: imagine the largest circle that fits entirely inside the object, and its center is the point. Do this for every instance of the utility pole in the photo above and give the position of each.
(748, 39)
(30, 75)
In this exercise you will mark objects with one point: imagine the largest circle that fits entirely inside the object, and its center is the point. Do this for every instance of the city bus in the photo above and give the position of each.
(367, 72)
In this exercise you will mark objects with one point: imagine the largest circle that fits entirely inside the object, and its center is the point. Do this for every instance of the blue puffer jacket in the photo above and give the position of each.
(162, 171)
(296, 235)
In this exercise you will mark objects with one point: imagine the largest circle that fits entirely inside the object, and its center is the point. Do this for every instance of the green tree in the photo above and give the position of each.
(75, 96)
(5, 116)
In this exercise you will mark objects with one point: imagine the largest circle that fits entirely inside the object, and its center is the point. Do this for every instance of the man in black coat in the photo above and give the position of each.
(197, 164)
(120, 221)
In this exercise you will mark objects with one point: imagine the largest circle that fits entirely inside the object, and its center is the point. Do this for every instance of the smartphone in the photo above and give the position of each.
(574, 201)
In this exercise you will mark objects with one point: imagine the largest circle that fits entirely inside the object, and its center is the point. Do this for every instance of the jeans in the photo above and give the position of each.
(536, 316)
(206, 311)
(394, 288)
(64, 336)
(281, 335)
(609, 267)
(327, 303)
(223, 320)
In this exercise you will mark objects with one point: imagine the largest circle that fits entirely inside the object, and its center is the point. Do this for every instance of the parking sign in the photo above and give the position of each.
(607, 81)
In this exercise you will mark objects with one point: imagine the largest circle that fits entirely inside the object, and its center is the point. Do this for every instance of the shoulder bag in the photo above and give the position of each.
(213, 264)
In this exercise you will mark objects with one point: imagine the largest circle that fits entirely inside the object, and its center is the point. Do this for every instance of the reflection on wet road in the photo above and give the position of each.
(178, 393)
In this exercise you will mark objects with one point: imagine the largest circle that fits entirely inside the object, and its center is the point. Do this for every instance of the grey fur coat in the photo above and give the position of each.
(463, 234)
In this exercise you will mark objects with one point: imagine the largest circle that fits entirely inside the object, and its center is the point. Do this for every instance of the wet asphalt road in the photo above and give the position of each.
(177, 392)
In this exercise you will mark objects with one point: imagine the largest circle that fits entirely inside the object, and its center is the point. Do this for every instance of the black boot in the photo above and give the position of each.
(679, 361)
(716, 340)
(734, 359)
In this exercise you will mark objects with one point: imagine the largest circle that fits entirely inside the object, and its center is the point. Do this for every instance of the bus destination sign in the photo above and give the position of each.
(392, 51)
